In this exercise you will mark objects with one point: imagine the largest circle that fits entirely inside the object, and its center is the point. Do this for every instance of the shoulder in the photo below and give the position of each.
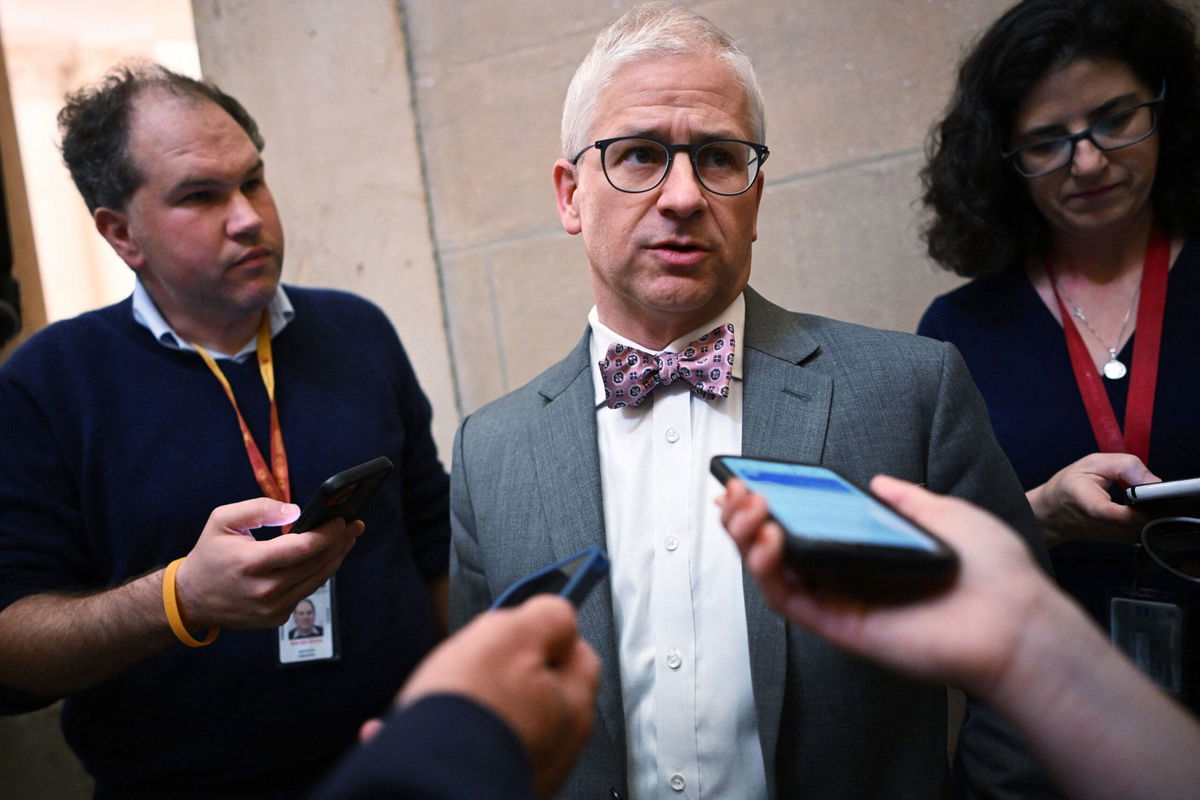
(331, 319)
(876, 356)
(328, 301)
(976, 302)
(546, 387)
(825, 343)
(83, 339)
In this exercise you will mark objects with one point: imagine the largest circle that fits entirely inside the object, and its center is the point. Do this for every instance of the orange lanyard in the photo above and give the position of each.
(274, 482)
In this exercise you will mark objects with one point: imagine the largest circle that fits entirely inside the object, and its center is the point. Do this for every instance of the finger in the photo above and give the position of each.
(293, 549)
(744, 517)
(548, 621)
(369, 730)
(582, 667)
(939, 513)
(250, 514)
(734, 491)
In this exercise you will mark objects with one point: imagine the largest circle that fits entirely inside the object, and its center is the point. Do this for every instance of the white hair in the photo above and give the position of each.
(649, 31)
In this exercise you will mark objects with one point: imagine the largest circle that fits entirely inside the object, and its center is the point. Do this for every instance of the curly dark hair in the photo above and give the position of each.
(983, 220)
(95, 128)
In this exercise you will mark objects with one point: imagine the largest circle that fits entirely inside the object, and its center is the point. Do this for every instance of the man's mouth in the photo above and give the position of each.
(255, 254)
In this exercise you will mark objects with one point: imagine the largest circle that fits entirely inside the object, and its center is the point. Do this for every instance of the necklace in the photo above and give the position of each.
(1114, 368)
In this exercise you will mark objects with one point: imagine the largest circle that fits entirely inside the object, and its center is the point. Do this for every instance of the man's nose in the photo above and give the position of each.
(681, 192)
(243, 218)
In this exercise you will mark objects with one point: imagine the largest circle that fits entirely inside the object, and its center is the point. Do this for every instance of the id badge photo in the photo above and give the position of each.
(310, 634)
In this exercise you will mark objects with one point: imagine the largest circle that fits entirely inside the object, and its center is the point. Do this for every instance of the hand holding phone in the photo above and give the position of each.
(573, 578)
(343, 495)
(1166, 497)
(839, 535)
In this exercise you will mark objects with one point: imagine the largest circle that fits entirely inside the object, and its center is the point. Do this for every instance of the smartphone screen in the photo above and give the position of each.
(819, 504)
(842, 537)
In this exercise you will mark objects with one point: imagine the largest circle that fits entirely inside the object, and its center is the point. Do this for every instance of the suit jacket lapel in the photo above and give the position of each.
(567, 461)
(785, 415)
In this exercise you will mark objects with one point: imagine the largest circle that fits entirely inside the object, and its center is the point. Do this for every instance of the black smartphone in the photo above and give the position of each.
(573, 578)
(839, 535)
(1166, 497)
(344, 494)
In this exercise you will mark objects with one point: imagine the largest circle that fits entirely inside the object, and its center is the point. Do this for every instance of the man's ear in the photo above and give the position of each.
(759, 182)
(113, 225)
(565, 184)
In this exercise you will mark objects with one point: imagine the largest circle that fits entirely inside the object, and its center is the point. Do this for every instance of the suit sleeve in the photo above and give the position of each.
(443, 747)
(469, 592)
(991, 760)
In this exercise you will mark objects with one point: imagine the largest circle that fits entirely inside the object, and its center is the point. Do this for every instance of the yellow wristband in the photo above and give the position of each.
(171, 604)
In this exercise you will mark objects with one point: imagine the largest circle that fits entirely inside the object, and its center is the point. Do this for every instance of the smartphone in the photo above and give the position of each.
(573, 578)
(1172, 496)
(840, 536)
(343, 495)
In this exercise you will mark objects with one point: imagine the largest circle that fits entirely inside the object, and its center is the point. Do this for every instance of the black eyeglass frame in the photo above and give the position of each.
(1074, 138)
(761, 152)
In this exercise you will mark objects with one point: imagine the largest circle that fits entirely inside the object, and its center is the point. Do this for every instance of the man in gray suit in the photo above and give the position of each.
(705, 693)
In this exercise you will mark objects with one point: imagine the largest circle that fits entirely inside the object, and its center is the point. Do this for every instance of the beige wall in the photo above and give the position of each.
(52, 48)
(411, 143)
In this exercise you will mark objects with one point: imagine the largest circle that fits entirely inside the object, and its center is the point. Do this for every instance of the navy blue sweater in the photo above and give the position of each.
(114, 451)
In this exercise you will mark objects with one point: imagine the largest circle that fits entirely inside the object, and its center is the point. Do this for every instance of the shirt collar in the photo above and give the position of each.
(603, 337)
(146, 314)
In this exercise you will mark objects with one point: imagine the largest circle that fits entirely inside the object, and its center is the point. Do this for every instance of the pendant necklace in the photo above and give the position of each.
(1114, 369)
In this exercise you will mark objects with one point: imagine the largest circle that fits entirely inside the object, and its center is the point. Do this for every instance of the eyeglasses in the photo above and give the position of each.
(1122, 129)
(1174, 542)
(637, 164)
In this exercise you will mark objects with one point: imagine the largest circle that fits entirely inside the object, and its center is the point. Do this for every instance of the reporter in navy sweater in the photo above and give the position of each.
(122, 429)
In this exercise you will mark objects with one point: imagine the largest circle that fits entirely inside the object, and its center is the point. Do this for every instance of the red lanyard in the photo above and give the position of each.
(1139, 407)
(274, 482)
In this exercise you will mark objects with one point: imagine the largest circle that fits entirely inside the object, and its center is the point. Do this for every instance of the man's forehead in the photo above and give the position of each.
(181, 134)
(647, 93)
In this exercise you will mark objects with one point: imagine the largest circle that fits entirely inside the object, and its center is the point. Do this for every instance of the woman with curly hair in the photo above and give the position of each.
(1065, 180)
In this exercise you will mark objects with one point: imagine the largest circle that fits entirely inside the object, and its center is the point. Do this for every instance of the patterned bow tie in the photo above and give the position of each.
(630, 375)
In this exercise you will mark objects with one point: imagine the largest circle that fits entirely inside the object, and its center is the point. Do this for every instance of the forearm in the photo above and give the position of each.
(52, 645)
(1102, 729)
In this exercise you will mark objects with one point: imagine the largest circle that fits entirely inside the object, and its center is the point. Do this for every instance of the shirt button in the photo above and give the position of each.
(677, 782)
(674, 662)
(672, 435)
(671, 543)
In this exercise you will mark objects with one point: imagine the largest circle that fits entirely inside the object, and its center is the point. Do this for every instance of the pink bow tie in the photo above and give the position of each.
(630, 375)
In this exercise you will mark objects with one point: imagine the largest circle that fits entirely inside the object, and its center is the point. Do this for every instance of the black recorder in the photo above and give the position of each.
(840, 537)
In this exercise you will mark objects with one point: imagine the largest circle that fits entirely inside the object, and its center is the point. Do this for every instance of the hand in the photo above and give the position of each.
(964, 636)
(1075, 504)
(231, 580)
(529, 666)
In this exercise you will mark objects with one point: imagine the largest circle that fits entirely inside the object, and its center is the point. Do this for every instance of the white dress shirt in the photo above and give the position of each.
(679, 612)
(146, 314)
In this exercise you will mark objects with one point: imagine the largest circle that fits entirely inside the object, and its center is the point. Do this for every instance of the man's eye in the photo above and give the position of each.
(642, 155)
(195, 198)
(718, 158)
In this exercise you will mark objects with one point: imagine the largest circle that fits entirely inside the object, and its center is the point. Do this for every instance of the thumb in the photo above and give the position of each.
(250, 514)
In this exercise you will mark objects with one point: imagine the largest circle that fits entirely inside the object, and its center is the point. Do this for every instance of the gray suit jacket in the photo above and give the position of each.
(525, 491)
